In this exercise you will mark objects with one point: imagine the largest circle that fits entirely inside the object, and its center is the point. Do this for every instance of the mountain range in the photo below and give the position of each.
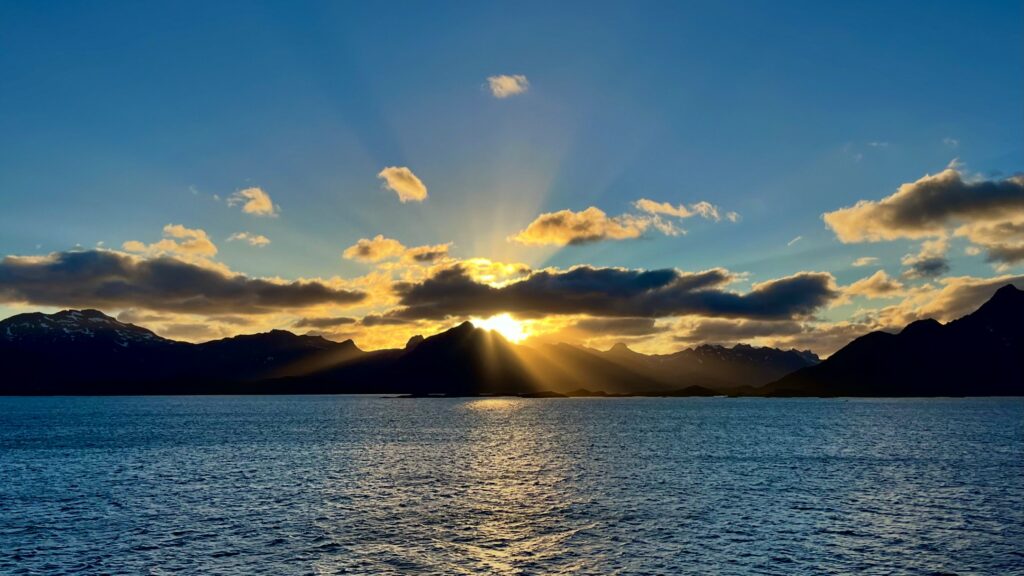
(87, 352)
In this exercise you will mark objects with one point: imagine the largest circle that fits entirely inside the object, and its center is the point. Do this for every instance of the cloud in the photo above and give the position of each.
(929, 262)
(323, 322)
(878, 285)
(426, 254)
(380, 248)
(568, 228)
(403, 182)
(727, 331)
(254, 201)
(928, 207)
(663, 208)
(619, 326)
(383, 320)
(1002, 241)
(252, 239)
(951, 142)
(113, 280)
(704, 209)
(374, 249)
(177, 240)
(864, 261)
(504, 85)
(794, 240)
(615, 292)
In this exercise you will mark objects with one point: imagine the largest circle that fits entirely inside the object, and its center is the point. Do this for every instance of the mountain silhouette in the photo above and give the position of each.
(713, 366)
(981, 354)
(88, 352)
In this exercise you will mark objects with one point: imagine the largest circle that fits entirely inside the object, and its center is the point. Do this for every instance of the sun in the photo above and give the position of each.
(504, 324)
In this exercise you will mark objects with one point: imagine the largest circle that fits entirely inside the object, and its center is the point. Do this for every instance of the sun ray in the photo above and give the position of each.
(504, 324)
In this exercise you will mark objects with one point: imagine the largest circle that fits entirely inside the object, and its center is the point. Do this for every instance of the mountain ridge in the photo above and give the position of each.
(88, 352)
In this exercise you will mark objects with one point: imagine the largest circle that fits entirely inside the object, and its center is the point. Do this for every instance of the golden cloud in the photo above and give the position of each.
(177, 240)
(403, 182)
(504, 85)
(254, 201)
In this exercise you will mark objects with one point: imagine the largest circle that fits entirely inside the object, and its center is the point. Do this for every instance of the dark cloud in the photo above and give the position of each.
(726, 331)
(619, 326)
(323, 322)
(384, 320)
(930, 267)
(615, 292)
(1005, 254)
(103, 279)
(927, 207)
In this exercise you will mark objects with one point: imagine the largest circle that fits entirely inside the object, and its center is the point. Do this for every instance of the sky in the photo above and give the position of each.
(662, 174)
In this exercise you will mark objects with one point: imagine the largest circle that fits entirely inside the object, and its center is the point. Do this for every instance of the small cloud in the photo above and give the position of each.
(252, 239)
(878, 144)
(567, 228)
(504, 85)
(864, 261)
(426, 254)
(374, 249)
(323, 322)
(794, 240)
(254, 201)
(930, 262)
(403, 182)
(704, 209)
(663, 208)
(707, 210)
(177, 240)
(878, 285)
(951, 142)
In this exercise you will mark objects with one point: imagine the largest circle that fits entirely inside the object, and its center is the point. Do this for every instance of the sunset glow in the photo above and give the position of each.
(504, 324)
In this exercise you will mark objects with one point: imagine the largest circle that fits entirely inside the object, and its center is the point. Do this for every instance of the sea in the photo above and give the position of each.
(368, 485)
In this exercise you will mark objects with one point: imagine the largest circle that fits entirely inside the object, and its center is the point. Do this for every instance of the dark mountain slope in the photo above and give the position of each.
(59, 353)
(981, 354)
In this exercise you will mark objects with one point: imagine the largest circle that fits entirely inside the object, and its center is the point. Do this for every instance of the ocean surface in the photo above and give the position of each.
(353, 485)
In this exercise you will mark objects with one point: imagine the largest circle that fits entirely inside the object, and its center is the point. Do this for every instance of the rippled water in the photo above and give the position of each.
(327, 485)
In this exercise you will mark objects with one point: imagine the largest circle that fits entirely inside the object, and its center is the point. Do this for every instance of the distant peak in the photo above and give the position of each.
(1008, 293)
(619, 347)
(1009, 289)
(922, 326)
(85, 313)
(414, 342)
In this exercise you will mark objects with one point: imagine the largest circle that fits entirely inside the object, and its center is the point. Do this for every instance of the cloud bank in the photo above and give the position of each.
(113, 280)
(615, 292)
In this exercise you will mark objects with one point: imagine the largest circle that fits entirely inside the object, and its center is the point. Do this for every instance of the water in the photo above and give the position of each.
(329, 485)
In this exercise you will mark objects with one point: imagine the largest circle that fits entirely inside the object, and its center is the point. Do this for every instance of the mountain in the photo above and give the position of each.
(981, 354)
(712, 366)
(88, 352)
(42, 354)
(462, 361)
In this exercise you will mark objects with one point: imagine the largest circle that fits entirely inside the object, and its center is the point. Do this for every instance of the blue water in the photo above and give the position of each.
(331, 485)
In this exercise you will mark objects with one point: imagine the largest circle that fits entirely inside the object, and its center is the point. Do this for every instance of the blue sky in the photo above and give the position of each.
(119, 118)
